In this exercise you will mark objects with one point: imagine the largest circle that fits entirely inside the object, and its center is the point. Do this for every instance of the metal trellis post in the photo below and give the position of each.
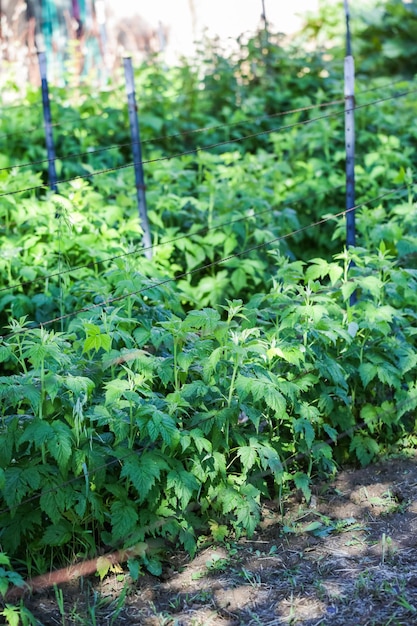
(350, 139)
(137, 156)
(50, 147)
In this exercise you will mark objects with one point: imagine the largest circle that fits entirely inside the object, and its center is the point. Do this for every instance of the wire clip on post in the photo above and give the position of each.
(137, 156)
(50, 148)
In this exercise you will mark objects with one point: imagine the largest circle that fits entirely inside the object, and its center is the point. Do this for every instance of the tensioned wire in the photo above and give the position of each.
(162, 243)
(169, 97)
(285, 463)
(140, 249)
(181, 134)
(210, 146)
(153, 284)
(185, 133)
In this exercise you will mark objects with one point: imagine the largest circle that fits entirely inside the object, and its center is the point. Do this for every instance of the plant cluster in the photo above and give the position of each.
(166, 398)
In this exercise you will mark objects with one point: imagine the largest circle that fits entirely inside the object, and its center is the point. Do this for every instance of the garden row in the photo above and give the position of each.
(168, 397)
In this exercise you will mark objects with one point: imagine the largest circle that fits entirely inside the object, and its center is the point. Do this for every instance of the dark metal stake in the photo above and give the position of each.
(350, 139)
(50, 147)
(137, 156)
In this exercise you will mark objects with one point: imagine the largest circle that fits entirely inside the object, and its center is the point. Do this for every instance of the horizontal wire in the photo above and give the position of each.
(210, 146)
(181, 134)
(140, 249)
(104, 303)
(288, 462)
(97, 150)
(22, 105)
(204, 89)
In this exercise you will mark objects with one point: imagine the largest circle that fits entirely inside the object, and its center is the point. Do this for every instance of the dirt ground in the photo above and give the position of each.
(347, 559)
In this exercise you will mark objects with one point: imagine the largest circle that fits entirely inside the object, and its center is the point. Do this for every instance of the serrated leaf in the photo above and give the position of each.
(142, 471)
(48, 504)
(302, 481)
(304, 427)
(124, 518)
(248, 456)
(367, 372)
(261, 389)
(347, 289)
(201, 443)
(373, 284)
(79, 384)
(134, 569)
(292, 355)
(60, 446)
(369, 414)
(57, 534)
(10, 613)
(207, 320)
(154, 566)
(162, 425)
(38, 432)
(5, 353)
(365, 448)
(248, 509)
(184, 485)
(15, 487)
(271, 460)
(103, 566)
(115, 389)
(353, 328)
(332, 432)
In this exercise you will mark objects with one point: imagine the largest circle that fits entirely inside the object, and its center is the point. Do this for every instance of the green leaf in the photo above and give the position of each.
(207, 320)
(369, 414)
(4, 583)
(201, 443)
(37, 432)
(367, 372)
(184, 485)
(372, 284)
(103, 566)
(16, 486)
(115, 389)
(11, 613)
(143, 471)
(304, 427)
(365, 447)
(163, 425)
(5, 353)
(57, 534)
(79, 384)
(248, 455)
(302, 481)
(154, 566)
(248, 509)
(61, 445)
(124, 518)
(262, 389)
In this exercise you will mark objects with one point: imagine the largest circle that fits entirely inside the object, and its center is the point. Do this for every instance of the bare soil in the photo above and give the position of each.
(349, 558)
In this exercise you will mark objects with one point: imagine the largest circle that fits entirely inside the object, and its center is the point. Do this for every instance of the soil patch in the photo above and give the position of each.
(349, 558)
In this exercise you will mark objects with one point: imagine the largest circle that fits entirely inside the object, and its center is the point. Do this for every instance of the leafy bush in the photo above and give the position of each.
(166, 397)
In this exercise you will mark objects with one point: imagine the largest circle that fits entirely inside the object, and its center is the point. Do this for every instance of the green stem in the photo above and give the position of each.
(176, 384)
(232, 383)
(42, 379)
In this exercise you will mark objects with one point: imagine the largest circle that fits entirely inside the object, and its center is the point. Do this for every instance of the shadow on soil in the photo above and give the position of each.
(349, 559)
